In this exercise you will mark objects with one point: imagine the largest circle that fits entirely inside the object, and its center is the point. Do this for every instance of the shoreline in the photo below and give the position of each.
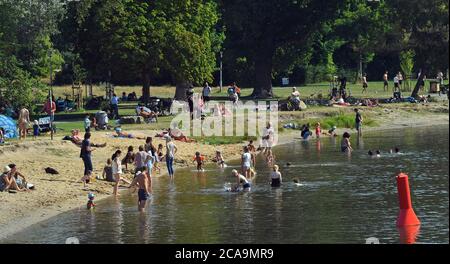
(11, 224)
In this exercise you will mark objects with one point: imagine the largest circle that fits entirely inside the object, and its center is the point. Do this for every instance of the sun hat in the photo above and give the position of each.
(6, 169)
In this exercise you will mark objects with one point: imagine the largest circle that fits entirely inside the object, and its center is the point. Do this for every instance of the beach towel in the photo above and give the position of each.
(9, 125)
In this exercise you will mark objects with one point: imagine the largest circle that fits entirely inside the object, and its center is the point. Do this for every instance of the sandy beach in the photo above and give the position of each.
(56, 194)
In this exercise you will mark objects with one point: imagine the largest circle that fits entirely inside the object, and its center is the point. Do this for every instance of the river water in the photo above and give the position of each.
(342, 199)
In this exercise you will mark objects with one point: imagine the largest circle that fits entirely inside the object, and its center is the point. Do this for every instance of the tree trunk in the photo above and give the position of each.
(146, 86)
(181, 88)
(417, 87)
(263, 76)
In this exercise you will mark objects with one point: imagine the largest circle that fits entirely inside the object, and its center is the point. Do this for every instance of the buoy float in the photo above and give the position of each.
(408, 234)
(406, 217)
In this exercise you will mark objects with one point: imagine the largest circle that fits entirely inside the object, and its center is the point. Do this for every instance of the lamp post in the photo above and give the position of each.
(221, 71)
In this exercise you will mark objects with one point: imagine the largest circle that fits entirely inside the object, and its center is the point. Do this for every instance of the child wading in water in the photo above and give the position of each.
(318, 130)
(345, 144)
(219, 159)
(252, 150)
(270, 158)
(276, 177)
(159, 158)
(144, 183)
(200, 161)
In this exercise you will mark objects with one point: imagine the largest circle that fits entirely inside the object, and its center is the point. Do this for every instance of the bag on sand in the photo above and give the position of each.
(51, 171)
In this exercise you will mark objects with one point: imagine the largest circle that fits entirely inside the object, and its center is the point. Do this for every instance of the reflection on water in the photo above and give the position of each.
(341, 199)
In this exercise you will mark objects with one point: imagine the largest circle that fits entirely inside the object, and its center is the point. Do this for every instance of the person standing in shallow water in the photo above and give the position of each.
(171, 150)
(345, 144)
(358, 122)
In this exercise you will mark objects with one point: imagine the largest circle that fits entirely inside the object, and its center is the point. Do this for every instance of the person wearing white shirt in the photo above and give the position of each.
(246, 162)
(206, 92)
(396, 83)
(267, 139)
(115, 106)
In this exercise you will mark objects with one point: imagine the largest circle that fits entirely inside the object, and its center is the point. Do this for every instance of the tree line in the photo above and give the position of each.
(179, 42)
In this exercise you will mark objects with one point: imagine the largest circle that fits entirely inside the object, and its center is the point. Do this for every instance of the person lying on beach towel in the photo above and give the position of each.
(146, 113)
(175, 134)
(76, 139)
(370, 103)
(120, 134)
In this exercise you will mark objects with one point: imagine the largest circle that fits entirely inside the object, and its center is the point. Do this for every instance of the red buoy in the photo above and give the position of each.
(406, 217)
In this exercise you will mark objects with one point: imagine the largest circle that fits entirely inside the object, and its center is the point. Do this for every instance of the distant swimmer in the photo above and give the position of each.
(396, 150)
(297, 182)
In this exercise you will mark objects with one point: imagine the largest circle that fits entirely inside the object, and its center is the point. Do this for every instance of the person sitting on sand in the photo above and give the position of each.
(275, 176)
(129, 157)
(144, 185)
(241, 179)
(200, 161)
(120, 134)
(76, 137)
(219, 159)
(107, 171)
(8, 182)
(345, 144)
(18, 177)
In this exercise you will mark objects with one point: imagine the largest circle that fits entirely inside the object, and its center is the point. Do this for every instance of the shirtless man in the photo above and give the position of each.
(23, 121)
(144, 183)
(385, 82)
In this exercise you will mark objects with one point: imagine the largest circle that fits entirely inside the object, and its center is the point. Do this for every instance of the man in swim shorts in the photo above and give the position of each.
(144, 184)
(246, 186)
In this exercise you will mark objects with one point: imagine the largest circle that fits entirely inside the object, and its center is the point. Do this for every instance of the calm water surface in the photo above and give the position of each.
(342, 200)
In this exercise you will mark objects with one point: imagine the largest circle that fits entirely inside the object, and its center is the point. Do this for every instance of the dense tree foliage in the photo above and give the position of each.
(178, 42)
